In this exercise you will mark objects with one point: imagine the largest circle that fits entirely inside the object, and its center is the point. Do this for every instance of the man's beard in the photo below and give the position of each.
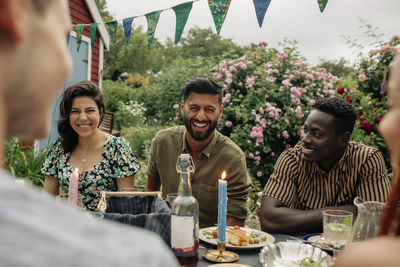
(199, 136)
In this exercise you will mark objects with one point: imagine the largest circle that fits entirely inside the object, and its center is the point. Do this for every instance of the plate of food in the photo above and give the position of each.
(237, 237)
(318, 240)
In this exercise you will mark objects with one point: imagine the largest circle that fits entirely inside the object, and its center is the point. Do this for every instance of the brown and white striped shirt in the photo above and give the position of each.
(301, 184)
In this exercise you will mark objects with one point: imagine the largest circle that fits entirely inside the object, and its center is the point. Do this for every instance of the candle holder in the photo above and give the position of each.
(220, 255)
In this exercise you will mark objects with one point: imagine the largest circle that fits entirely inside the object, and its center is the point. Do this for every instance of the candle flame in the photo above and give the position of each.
(223, 175)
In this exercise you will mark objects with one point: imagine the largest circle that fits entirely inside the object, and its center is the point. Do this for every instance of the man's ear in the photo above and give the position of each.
(221, 111)
(13, 16)
(344, 138)
(182, 107)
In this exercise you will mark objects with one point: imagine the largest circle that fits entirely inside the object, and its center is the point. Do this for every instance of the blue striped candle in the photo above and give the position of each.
(222, 200)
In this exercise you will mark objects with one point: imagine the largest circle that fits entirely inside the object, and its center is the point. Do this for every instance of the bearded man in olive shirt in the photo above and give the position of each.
(211, 151)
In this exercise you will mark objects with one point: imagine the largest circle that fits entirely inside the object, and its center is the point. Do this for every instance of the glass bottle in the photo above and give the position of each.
(185, 216)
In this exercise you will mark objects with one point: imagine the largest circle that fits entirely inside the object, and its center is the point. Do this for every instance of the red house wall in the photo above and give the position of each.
(80, 15)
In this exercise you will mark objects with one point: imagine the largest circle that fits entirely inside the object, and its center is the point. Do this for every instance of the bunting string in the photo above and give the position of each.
(218, 9)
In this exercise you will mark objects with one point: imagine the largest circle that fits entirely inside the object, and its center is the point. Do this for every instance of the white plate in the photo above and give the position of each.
(213, 241)
(315, 239)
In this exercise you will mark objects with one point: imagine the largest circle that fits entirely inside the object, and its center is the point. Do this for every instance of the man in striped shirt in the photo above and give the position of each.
(325, 170)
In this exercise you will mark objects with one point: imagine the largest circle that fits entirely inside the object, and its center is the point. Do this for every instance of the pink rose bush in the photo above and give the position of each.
(373, 69)
(268, 94)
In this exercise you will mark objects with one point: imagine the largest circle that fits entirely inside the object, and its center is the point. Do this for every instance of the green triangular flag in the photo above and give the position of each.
(322, 4)
(93, 29)
(219, 9)
(152, 20)
(79, 29)
(112, 30)
(182, 13)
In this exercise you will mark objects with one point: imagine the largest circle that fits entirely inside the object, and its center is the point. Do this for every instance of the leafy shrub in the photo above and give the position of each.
(254, 204)
(170, 83)
(122, 97)
(137, 80)
(140, 177)
(130, 114)
(139, 136)
(268, 94)
(373, 70)
(148, 95)
(370, 96)
(115, 92)
(23, 162)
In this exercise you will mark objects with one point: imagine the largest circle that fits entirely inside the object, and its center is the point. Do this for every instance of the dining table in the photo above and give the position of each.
(249, 257)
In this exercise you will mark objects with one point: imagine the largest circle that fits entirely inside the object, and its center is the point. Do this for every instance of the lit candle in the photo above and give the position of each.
(222, 200)
(73, 188)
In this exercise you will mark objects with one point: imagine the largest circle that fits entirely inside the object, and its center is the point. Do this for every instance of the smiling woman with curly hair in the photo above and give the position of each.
(105, 162)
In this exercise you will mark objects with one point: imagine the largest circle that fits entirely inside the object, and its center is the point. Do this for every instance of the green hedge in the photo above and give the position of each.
(140, 138)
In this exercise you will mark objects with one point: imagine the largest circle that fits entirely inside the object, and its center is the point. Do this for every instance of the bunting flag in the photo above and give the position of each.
(182, 13)
(152, 20)
(112, 30)
(93, 30)
(322, 4)
(79, 28)
(261, 7)
(127, 23)
(219, 9)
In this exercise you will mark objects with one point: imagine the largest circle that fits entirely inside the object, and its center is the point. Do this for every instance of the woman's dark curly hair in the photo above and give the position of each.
(68, 137)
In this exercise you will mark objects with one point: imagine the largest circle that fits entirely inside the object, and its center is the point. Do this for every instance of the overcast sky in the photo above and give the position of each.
(319, 34)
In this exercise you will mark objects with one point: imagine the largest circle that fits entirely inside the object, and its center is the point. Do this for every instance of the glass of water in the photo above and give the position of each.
(337, 228)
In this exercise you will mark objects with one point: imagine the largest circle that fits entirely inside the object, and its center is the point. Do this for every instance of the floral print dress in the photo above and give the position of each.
(117, 161)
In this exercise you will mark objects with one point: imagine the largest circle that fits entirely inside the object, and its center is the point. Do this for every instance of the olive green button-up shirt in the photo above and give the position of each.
(219, 155)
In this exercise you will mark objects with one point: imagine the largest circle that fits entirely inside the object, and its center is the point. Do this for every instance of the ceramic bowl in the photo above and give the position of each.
(287, 254)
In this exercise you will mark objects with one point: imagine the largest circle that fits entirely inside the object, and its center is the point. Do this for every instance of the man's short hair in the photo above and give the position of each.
(345, 114)
(202, 85)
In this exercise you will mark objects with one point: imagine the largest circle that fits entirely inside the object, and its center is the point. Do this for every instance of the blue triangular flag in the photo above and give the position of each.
(261, 7)
(127, 28)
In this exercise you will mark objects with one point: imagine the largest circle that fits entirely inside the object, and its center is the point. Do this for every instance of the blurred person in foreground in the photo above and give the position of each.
(324, 170)
(105, 162)
(382, 251)
(34, 229)
(211, 151)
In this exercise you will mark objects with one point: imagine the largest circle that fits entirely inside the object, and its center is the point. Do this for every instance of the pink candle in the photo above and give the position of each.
(73, 188)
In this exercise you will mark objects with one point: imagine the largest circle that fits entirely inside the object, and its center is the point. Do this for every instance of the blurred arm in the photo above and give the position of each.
(51, 185)
(389, 127)
(380, 252)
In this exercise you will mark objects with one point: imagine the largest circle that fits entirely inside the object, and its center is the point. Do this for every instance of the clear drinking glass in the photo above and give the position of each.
(337, 228)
